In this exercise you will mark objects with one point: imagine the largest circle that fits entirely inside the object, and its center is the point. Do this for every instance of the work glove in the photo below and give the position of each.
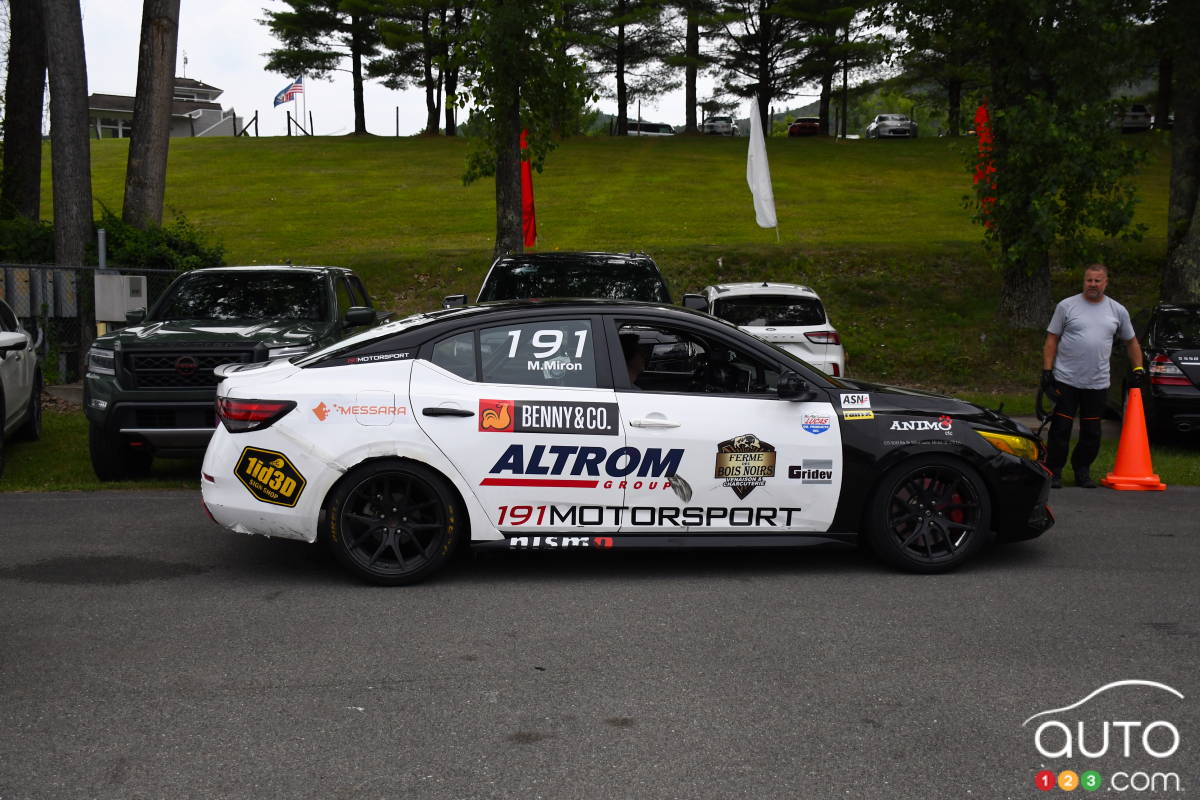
(1137, 378)
(1048, 382)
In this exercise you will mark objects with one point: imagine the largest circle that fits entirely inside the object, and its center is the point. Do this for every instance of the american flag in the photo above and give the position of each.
(294, 88)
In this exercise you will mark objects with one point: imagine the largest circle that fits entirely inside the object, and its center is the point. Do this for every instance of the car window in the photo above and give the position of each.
(770, 310)
(675, 360)
(1178, 329)
(343, 297)
(457, 354)
(358, 292)
(250, 295)
(8, 320)
(552, 353)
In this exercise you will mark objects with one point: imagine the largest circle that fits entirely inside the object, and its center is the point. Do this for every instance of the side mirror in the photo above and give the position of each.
(359, 315)
(696, 302)
(454, 301)
(11, 343)
(135, 316)
(792, 387)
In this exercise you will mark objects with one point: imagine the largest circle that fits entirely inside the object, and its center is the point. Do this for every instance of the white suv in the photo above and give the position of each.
(719, 126)
(20, 382)
(786, 315)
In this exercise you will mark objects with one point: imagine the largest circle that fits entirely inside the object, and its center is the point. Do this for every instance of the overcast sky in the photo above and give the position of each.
(224, 43)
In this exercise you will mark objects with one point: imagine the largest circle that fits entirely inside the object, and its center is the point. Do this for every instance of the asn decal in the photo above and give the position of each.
(944, 424)
(323, 410)
(514, 467)
(813, 470)
(856, 400)
(378, 357)
(745, 462)
(815, 423)
(648, 516)
(550, 542)
(548, 416)
(270, 476)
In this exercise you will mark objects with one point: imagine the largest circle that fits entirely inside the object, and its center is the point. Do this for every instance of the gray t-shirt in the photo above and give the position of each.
(1085, 332)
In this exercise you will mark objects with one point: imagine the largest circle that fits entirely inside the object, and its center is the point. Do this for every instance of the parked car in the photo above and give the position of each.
(20, 382)
(1135, 119)
(650, 129)
(805, 126)
(719, 126)
(519, 426)
(1170, 344)
(616, 276)
(789, 316)
(892, 126)
(149, 388)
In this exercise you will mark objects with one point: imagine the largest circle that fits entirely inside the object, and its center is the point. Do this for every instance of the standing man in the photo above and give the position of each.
(1075, 358)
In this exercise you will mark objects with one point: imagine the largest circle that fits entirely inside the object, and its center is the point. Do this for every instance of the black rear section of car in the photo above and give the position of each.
(615, 276)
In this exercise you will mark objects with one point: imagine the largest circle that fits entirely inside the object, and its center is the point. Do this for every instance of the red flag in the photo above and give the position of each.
(985, 168)
(528, 218)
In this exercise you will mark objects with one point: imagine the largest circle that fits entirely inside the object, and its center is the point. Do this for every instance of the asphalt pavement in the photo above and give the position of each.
(145, 652)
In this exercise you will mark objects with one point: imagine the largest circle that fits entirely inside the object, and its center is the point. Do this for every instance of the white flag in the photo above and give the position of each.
(758, 173)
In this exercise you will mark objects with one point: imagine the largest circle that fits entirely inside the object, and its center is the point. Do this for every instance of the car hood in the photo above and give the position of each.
(174, 333)
(899, 399)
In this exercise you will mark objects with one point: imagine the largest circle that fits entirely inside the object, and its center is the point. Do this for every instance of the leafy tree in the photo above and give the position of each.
(318, 35)
(25, 86)
(518, 74)
(698, 16)
(146, 173)
(1181, 275)
(1061, 171)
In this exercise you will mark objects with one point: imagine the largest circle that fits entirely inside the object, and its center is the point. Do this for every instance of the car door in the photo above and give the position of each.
(16, 370)
(735, 458)
(519, 410)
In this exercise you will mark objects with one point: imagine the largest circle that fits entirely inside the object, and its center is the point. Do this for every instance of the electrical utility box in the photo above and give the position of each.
(117, 295)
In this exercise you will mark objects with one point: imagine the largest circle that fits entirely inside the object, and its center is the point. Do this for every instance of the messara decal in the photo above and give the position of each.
(1115, 731)
(323, 411)
(745, 462)
(815, 423)
(584, 465)
(548, 416)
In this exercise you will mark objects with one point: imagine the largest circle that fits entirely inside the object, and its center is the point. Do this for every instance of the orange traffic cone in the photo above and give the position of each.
(1133, 471)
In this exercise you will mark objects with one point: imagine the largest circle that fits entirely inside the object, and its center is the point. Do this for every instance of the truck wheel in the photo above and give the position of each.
(393, 522)
(112, 457)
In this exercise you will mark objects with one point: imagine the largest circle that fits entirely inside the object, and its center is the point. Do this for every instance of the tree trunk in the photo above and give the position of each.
(452, 73)
(509, 237)
(823, 103)
(431, 109)
(146, 172)
(1025, 295)
(692, 52)
(954, 105)
(1181, 273)
(1162, 102)
(765, 91)
(21, 186)
(622, 94)
(356, 48)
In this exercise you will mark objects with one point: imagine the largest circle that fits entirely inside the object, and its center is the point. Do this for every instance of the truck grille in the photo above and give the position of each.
(179, 370)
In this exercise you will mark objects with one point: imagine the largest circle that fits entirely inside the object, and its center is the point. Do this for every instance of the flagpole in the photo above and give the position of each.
(305, 93)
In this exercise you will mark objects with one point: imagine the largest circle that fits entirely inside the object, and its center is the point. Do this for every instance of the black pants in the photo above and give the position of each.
(1089, 404)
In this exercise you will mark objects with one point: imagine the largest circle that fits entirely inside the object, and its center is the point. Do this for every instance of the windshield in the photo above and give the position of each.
(1178, 329)
(627, 280)
(770, 310)
(245, 295)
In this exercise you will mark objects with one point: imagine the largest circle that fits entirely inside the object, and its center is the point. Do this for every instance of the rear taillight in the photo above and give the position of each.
(834, 371)
(823, 337)
(240, 416)
(1164, 372)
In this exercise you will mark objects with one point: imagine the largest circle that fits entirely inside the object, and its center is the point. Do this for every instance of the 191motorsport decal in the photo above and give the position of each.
(548, 416)
(270, 476)
(554, 461)
(646, 516)
(744, 462)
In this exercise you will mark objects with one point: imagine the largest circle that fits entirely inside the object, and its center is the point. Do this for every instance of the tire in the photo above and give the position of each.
(929, 514)
(112, 457)
(31, 429)
(1, 436)
(393, 522)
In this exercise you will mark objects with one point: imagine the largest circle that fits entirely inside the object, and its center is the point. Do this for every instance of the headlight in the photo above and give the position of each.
(289, 351)
(1019, 446)
(103, 362)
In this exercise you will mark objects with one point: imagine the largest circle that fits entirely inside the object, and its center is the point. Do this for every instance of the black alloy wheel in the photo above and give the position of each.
(929, 515)
(393, 522)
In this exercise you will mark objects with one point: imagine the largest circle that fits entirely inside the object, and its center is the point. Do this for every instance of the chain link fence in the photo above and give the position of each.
(67, 307)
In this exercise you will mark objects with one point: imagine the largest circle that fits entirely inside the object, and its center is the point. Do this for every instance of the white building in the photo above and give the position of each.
(194, 112)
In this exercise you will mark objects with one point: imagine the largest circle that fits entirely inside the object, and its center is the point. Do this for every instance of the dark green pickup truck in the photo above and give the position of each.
(150, 387)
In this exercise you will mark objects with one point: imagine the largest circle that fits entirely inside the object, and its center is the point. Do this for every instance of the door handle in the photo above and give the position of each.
(438, 411)
(653, 423)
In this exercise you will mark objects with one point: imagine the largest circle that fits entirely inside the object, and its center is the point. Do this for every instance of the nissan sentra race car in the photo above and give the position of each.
(603, 424)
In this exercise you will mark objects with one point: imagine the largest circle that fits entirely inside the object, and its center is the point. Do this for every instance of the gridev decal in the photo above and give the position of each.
(270, 476)
(647, 516)
(744, 462)
(813, 470)
(943, 424)
(548, 416)
(563, 466)
(323, 410)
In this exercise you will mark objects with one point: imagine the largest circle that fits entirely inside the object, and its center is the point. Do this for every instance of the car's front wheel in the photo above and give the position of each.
(393, 522)
(929, 514)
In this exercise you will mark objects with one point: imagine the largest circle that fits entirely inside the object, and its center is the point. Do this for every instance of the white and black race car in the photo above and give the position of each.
(602, 424)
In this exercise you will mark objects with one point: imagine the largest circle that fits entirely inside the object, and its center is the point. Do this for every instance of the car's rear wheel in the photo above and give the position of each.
(393, 522)
(114, 458)
(929, 514)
